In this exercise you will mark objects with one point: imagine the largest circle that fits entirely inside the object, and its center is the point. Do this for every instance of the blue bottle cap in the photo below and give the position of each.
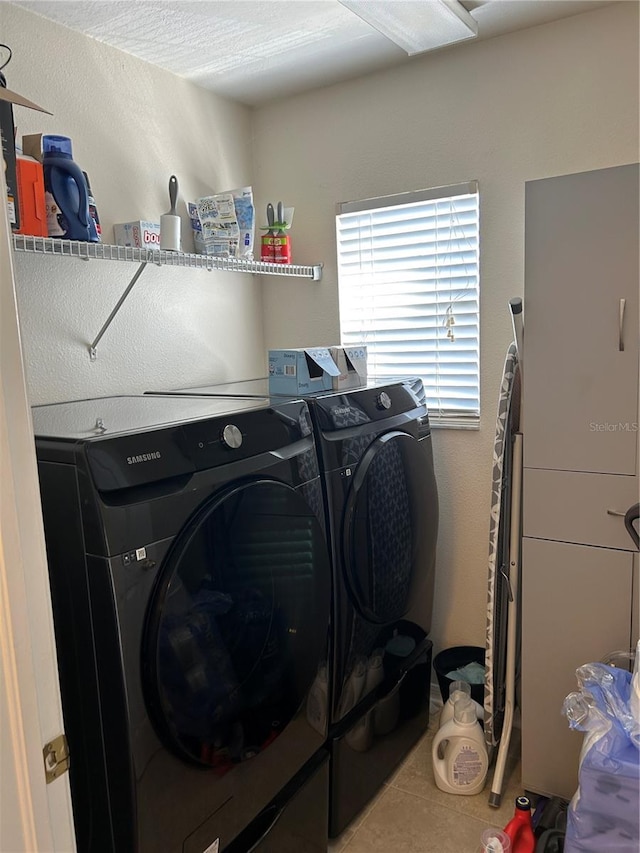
(56, 145)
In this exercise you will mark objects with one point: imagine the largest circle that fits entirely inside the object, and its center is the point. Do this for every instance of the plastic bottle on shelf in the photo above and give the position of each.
(93, 210)
(375, 671)
(520, 829)
(360, 737)
(459, 752)
(66, 195)
(318, 702)
(353, 686)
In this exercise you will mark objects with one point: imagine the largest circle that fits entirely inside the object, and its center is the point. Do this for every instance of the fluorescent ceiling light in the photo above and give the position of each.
(416, 25)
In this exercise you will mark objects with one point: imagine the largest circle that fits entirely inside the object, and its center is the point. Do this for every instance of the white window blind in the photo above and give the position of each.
(408, 282)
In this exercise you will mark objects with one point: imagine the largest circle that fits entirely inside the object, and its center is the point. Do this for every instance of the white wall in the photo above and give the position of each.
(132, 126)
(554, 99)
(550, 100)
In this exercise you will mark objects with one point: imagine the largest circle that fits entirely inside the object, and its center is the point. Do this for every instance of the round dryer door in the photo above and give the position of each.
(390, 527)
(237, 624)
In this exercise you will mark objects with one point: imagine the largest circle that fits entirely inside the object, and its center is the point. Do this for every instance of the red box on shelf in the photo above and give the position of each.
(267, 249)
(282, 249)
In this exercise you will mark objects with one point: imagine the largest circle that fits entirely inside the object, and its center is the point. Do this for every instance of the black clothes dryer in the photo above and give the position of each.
(190, 581)
(381, 500)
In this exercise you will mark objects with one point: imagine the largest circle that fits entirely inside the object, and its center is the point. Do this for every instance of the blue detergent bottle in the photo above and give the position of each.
(66, 194)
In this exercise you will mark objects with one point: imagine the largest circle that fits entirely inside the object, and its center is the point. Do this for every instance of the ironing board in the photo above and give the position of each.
(501, 651)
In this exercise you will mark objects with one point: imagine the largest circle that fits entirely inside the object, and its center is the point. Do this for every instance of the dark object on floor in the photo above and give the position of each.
(550, 813)
(451, 659)
(550, 824)
(551, 841)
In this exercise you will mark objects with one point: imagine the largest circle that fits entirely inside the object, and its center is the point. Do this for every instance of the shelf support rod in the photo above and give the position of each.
(92, 347)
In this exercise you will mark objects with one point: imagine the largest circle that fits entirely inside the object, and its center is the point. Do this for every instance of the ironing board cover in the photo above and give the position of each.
(507, 422)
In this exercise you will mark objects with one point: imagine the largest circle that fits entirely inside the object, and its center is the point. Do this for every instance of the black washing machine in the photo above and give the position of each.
(190, 581)
(374, 446)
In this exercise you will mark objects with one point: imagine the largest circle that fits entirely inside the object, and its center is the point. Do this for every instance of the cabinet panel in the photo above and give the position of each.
(576, 608)
(570, 506)
(581, 258)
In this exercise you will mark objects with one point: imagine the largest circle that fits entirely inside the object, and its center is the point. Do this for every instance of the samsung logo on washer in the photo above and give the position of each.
(144, 457)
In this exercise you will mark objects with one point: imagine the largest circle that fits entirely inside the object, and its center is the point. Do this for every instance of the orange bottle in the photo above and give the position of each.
(519, 829)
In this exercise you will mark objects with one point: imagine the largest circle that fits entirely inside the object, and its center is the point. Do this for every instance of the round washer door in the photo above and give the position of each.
(389, 527)
(237, 624)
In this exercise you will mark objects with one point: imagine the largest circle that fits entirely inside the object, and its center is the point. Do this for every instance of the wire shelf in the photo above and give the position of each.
(106, 252)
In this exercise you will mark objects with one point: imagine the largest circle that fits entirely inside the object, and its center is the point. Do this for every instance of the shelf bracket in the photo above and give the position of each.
(92, 347)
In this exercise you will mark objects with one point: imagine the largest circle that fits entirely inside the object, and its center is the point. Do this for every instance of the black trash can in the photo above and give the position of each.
(451, 659)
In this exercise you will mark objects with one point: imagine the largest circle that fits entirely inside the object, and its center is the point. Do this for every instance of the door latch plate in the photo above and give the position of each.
(56, 758)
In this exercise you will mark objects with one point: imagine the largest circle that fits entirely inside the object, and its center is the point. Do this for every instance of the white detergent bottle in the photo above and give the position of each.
(459, 753)
(457, 689)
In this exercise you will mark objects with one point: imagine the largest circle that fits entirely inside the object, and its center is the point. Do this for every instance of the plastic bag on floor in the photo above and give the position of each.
(604, 813)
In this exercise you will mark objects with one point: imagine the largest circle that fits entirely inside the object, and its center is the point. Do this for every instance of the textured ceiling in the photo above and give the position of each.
(255, 51)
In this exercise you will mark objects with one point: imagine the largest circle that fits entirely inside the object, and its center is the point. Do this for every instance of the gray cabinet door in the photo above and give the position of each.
(571, 506)
(581, 259)
(576, 608)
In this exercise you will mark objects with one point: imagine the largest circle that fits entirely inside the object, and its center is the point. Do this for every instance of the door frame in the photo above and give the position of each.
(34, 815)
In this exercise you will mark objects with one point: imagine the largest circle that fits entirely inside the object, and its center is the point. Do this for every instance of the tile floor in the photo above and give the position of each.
(411, 815)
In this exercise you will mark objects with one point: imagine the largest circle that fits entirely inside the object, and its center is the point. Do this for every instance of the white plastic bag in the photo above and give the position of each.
(604, 814)
(224, 224)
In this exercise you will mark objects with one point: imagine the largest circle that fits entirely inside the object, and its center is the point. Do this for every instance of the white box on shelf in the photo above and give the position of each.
(140, 234)
(352, 364)
(301, 371)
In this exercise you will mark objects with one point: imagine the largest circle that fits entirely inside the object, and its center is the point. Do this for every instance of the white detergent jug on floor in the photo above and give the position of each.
(458, 689)
(459, 753)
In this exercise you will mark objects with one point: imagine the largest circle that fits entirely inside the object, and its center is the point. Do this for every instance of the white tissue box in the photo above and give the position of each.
(141, 234)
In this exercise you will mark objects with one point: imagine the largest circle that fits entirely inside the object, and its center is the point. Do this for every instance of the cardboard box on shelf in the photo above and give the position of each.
(140, 234)
(32, 145)
(301, 371)
(7, 131)
(352, 364)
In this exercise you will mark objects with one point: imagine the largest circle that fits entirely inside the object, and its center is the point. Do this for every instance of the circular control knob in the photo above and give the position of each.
(383, 401)
(231, 436)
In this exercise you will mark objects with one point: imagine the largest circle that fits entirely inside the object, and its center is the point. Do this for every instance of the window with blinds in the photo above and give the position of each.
(408, 282)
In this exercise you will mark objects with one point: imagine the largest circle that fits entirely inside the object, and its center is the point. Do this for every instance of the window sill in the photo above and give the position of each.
(454, 423)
